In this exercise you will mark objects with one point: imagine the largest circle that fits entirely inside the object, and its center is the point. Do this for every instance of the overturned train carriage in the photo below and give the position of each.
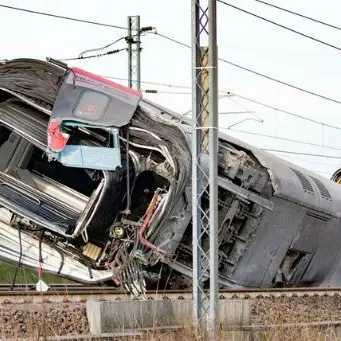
(95, 184)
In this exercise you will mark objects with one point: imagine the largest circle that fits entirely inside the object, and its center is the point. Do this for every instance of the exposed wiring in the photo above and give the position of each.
(280, 25)
(41, 260)
(299, 14)
(63, 17)
(19, 260)
(127, 211)
(149, 213)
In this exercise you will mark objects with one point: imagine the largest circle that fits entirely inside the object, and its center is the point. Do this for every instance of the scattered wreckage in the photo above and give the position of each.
(95, 185)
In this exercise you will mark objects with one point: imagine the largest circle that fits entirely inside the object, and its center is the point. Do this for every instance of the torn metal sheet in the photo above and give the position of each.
(99, 158)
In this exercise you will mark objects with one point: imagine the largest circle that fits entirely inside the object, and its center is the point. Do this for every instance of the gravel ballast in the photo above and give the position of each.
(51, 319)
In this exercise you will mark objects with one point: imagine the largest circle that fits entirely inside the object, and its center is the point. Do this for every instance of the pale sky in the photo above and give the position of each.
(241, 39)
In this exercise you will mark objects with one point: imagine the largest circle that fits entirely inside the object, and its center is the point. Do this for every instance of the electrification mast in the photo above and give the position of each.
(134, 52)
(205, 144)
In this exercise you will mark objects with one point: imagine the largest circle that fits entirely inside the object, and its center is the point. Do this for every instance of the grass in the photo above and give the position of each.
(26, 276)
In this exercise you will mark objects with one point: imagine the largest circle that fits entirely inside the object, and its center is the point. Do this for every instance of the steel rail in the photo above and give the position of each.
(80, 294)
(55, 288)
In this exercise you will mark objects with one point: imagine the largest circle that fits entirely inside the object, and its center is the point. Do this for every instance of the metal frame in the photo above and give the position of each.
(205, 141)
(134, 52)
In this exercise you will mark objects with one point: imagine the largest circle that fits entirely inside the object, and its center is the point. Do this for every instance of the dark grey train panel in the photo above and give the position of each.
(301, 186)
(265, 252)
(292, 244)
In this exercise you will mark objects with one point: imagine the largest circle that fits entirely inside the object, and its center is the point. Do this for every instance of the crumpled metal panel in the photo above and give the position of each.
(285, 182)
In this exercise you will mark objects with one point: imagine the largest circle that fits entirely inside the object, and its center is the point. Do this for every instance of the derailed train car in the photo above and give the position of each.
(95, 185)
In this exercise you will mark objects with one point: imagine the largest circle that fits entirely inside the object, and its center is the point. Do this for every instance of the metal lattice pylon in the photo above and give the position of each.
(205, 146)
(134, 52)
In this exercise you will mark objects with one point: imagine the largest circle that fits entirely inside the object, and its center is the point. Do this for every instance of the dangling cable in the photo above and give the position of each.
(61, 263)
(40, 265)
(89, 270)
(127, 210)
(19, 261)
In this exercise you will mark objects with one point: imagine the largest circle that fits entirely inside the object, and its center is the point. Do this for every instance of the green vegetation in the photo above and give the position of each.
(25, 276)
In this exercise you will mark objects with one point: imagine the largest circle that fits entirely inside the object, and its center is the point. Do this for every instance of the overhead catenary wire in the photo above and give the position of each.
(336, 163)
(301, 153)
(282, 138)
(276, 137)
(267, 135)
(253, 113)
(327, 98)
(97, 23)
(234, 94)
(281, 26)
(154, 91)
(177, 42)
(151, 83)
(299, 14)
(287, 112)
(142, 30)
(170, 39)
(94, 55)
(262, 104)
(283, 82)
(223, 60)
(101, 48)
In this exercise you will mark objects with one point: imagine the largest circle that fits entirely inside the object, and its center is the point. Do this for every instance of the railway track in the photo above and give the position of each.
(22, 294)
(65, 307)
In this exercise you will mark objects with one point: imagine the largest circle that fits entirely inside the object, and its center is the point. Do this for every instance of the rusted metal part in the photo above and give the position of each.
(149, 213)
